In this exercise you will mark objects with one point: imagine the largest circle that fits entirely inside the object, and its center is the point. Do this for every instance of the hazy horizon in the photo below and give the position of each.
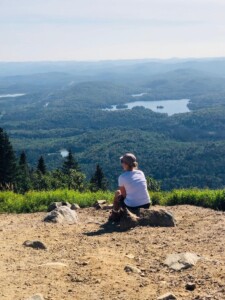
(52, 30)
(119, 59)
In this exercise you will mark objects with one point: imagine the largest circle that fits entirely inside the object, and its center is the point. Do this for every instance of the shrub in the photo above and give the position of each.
(35, 201)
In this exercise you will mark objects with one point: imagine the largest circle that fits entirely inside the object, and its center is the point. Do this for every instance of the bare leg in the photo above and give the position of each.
(115, 214)
(116, 205)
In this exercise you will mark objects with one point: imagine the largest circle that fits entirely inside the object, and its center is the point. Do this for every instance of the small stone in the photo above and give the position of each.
(98, 280)
(132, 269)
(100, 203)
(190, 286)
(167, 296)
(57, 265)
(131, 256)
(77, 279)
(35, 244)
(36, 297)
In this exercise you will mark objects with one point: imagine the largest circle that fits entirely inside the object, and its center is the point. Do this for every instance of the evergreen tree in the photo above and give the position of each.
(41, 167)
(23, 179)
(98, 180)
(70, 163)
(8, 167)
(23, 163)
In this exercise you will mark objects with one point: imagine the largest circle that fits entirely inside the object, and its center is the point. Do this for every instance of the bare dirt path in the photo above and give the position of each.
(92, 262)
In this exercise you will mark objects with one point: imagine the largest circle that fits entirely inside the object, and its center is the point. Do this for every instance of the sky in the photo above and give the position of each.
(40, 30)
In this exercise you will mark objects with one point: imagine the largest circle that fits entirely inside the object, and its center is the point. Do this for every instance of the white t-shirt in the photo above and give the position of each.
(135, 185)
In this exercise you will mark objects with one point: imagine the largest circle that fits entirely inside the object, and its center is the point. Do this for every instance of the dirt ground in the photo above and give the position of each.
(93, 261)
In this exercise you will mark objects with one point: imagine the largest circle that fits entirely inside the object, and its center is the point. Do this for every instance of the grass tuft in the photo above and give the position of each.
(34, 201)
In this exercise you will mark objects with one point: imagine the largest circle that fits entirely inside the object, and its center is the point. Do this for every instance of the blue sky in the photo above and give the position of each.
(32, 30)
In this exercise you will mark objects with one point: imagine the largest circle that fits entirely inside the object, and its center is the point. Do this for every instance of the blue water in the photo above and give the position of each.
(170, 107)
(11, 95)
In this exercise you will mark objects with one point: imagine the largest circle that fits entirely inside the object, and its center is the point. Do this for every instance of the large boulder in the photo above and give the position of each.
(146, 217)
(128, 220)
(179, 261)
(62, 214)
(75, 206)
(58, 204)
(156, 217)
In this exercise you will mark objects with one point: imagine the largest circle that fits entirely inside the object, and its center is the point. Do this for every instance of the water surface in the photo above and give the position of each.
(170, 107)
(11, 95)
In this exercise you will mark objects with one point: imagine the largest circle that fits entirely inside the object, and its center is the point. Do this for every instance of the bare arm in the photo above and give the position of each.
(123, 191)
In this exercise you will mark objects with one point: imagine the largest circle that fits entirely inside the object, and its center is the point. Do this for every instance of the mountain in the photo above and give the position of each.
(62, 108)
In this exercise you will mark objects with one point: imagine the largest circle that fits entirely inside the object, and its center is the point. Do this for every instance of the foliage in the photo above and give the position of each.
(98, 180)
(41, 167)
(23, 181)
(152, 184)
(70, 163)
(214, 199)
(34, 201)
(63, 109)
(8, 169)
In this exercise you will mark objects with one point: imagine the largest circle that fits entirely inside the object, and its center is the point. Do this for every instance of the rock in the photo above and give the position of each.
(132, 269)
(107, 206)
(74, 206)
(100, 203)
(190, 286)
(62, 214)
(181, 261)
(167, 296)
(147, 217)
(56, 265)
(153, 217)
(131, 256)
(36, 297)
(35, 245)
(128, 220)
(55, 205)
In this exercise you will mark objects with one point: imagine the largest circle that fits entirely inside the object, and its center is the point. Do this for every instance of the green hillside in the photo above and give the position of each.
(62, 109)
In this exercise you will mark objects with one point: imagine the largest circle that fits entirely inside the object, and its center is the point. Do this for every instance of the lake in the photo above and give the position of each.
(11, 95)
(169, 107)
(64, 152)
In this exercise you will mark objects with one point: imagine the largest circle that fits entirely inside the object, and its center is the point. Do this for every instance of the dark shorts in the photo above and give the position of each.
(123, 204)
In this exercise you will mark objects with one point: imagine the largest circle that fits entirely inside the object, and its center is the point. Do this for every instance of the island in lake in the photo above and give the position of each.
(159, 107)
(121, 106)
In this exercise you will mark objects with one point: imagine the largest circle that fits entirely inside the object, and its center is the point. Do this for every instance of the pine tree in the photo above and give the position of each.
(41, 167)
(70, 163)
(98, 180)
(23, 162)
(23, 179)
(8, 167)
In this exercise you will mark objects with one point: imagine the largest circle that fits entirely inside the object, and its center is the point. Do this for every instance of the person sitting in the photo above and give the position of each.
(132, 192)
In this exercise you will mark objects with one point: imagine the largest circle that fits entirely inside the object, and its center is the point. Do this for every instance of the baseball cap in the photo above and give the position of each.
(128, 158)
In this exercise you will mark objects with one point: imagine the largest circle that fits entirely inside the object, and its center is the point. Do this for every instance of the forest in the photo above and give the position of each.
(62, 109)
